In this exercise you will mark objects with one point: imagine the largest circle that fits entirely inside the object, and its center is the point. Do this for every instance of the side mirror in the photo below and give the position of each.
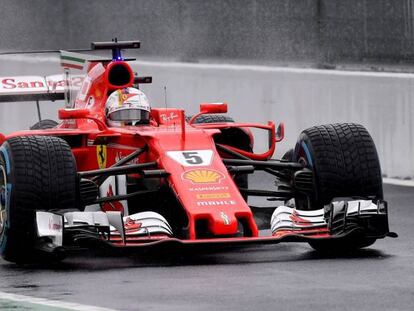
(213, 108)
(65, 114)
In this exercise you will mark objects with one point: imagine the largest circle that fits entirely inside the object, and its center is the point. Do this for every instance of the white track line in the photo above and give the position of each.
(398, 182)
(50, 303)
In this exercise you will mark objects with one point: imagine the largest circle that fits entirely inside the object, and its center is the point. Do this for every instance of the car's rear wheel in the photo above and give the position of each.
(44, 124)
(345, 163)
(213, 118)
(36, 173)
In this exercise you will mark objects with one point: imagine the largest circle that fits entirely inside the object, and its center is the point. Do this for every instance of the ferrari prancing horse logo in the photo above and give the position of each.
(101, 156)
(225, 218)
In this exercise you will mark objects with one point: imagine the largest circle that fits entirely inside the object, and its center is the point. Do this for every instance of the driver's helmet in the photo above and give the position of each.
(128, 106)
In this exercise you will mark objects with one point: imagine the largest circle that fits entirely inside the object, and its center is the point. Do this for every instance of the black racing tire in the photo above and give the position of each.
(234, 137)
(44, 124)
(36, 173)
(213, 118)
(344, 162)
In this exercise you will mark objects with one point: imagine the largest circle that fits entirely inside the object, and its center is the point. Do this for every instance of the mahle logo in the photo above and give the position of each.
(216, 203)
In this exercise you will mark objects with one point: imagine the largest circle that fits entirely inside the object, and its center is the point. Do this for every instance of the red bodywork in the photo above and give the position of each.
(206, 192)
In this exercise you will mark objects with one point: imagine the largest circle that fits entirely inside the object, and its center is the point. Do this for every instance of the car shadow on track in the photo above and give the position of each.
(99, 261)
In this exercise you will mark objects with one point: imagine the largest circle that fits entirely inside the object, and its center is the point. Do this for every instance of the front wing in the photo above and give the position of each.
(342, 219)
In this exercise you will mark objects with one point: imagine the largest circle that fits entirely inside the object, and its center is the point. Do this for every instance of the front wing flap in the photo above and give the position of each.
(341, 217)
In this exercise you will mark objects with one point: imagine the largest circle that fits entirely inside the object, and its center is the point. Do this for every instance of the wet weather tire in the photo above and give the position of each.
(40, 174)
(213, 118)
(344, 162)
(44, 125)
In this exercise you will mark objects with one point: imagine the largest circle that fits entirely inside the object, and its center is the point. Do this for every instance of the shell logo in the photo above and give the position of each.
(203, 176)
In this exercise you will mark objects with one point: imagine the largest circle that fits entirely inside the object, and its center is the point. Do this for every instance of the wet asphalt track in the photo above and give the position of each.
(279, 277)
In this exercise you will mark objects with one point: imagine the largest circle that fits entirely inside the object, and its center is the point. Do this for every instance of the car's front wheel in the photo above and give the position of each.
(345, 163)
(36, 173)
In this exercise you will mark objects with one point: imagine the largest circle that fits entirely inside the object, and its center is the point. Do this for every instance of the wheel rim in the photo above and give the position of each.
(304, 156)
(3, 198)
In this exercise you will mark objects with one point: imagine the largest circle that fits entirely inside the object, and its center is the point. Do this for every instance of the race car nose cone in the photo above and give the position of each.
(223, 223)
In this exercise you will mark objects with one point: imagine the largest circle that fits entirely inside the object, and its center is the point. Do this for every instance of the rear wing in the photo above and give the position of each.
(32, 88)
(48, 88)
(38, 88)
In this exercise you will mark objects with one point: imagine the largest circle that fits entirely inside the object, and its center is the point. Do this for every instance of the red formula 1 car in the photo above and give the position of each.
(176, 181)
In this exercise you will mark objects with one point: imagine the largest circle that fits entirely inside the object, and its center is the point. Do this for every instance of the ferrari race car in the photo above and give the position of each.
(181, 181)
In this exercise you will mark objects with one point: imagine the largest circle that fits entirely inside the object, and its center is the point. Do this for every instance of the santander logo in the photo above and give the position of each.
(37, 83)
